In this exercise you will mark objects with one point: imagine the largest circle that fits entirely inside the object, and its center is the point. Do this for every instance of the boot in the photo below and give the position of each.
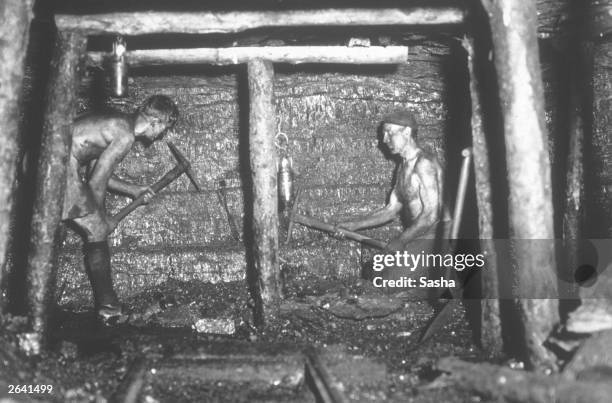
(97, 264)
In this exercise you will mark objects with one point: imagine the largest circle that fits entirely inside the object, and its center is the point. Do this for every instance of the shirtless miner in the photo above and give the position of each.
(100, 141)
(417, 196)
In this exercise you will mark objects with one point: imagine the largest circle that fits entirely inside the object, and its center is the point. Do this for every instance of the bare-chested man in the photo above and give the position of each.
(100, 141)
(417, 194)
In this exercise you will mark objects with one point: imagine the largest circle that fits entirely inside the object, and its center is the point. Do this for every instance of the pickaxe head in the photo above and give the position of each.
(184, 164)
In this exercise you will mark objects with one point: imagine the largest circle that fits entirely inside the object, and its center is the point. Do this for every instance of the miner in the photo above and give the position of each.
(100, 141)
(417, 195)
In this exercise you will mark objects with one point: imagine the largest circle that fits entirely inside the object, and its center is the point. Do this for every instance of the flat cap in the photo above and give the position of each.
(401, 118)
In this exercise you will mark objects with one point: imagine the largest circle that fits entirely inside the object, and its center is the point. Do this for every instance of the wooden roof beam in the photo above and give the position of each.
(275, 54)
(151, 22)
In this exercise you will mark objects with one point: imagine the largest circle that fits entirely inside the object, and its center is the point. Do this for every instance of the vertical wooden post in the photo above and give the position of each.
(515, 46)
(60, 111)
(15, 28)
(265, 200)
(490, 334)
(598, 144)
(579, 106)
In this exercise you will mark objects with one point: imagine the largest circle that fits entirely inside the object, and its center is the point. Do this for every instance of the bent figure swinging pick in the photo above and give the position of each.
(417, 194)
(100, 141)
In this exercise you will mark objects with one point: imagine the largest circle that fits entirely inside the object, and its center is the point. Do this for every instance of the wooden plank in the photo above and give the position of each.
(16, 16)
(56, 139)
(515, 46)
(276, 54)
(490, 332)
(150, 22)
(265, 279)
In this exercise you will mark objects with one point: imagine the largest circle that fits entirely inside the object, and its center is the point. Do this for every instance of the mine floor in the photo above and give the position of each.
(367, 343)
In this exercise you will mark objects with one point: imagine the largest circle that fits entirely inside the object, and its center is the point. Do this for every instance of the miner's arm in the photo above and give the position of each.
(117, 185)
(106, 164)
(379, 217)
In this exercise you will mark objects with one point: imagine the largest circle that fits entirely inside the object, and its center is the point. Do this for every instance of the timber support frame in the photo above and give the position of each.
(525, 145)
(61, 108)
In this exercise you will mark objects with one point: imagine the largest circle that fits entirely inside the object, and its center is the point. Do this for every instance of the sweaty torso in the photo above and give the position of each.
(92, 134)
(412, 186)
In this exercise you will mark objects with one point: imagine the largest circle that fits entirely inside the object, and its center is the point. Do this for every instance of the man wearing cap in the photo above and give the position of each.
(417, 194)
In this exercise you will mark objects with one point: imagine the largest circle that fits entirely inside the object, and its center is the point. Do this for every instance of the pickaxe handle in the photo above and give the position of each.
(323, 226)
(222, 196)
(165, 180)
(464, 176)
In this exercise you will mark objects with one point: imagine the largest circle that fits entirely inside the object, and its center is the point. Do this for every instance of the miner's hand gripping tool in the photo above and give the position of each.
(183, 166)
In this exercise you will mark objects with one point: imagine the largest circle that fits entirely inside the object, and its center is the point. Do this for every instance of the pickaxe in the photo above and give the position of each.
(294, 216)
(182, 167)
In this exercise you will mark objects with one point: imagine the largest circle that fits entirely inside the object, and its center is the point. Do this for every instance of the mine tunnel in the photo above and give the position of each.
(477, 128)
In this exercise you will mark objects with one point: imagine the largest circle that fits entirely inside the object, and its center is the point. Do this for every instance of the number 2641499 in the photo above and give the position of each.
(29, 389)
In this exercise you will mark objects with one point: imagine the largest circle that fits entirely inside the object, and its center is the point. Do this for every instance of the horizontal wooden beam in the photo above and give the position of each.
(150, 22)
(275, 54)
